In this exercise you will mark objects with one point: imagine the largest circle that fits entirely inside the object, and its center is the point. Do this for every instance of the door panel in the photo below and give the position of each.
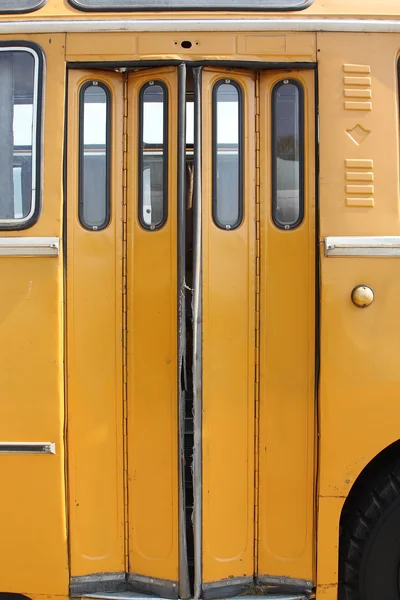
(254, 424)
(287, 406)
(228, 339)
(94, 325)
(152, 341)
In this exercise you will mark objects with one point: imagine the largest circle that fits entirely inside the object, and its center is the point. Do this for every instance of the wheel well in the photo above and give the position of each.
(365, 479)
(13, 596)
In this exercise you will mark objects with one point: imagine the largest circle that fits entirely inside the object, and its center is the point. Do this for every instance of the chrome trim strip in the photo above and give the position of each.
(238, 24)
(362, 245)
(29, 246)
(27, 448)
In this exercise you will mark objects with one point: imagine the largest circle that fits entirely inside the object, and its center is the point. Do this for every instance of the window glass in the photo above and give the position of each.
(94, 171)
(10, 6)
(227, 154)
(287, 173)
(190, 4)
(152, 155)
(18, 135)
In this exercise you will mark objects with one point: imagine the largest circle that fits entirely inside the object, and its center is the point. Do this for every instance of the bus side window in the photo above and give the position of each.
(227, 160)
(153, 170)
(287, 154)
(19, 137)
(94, 155)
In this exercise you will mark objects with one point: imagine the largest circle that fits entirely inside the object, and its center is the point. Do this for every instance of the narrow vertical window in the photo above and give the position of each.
(19, 6)
(287, 154)
(153, 168)
(227, 159)
(20, 74)
(94, 156)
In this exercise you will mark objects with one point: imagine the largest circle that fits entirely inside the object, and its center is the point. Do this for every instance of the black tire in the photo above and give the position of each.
(369, 563)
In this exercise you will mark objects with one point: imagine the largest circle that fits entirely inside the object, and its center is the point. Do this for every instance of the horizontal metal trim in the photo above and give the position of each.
(162, 588)
(362, 246)
(97, 584)
(234, 586)
(29, 246)
(285, 585)
(27, 448)
(195, 24)
(120, 596)
(135, 596)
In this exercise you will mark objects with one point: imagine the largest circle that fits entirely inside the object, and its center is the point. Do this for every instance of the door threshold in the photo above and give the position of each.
(136, 596)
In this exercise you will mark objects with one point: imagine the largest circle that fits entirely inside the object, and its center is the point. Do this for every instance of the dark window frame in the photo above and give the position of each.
(107, 218)
(37, 140)
(274, 155)
(165, 155)
(241, 149)
(13, 11)
(173, 5)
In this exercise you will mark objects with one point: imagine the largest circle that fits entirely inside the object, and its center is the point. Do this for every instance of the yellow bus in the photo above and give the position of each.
(200, 299)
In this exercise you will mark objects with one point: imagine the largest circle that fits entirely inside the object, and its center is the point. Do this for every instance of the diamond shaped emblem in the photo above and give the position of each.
(358, 134)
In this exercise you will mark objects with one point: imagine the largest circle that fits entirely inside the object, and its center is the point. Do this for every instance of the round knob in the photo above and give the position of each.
(362, 296)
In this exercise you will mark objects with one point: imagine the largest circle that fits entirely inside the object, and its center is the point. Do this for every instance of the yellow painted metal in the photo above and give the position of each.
(250, 46)
(228, 359)
(32, 503)
(94, 359)
(152, 359)
(358, 396)
(287, 405)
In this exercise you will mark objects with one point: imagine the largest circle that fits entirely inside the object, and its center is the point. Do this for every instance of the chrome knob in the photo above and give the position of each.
(362, 296)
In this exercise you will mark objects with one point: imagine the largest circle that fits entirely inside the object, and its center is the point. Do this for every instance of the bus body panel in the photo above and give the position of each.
(32, 507)
(359, 378)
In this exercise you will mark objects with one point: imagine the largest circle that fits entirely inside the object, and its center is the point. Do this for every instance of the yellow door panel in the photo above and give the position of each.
(152, 341)
(94, 331)
(287, 407)
(228, 353)
(34, 553)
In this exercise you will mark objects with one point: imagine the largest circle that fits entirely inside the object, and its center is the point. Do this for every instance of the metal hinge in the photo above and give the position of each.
(257, 325)
(124, 318)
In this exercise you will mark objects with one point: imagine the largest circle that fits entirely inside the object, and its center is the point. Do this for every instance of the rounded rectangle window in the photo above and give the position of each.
(153, 159)
(287, 154)
(20, 6)
(94, 155)
(227, 151)
(118, 5)
(20, 133)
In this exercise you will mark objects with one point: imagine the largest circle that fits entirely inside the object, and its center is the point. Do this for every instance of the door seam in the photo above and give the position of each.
(257, 326)
(125, 319)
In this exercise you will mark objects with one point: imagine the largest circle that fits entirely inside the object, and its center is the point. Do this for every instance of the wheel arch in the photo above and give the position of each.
(367, 476)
